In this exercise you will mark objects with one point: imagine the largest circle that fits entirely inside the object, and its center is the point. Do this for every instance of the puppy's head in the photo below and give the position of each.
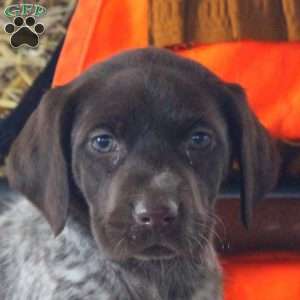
(147, 139)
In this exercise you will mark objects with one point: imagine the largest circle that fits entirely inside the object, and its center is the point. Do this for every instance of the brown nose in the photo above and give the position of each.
(153, 216)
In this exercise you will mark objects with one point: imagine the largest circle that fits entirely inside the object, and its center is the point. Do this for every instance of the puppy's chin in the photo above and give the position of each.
(131, 252)
(156, 252)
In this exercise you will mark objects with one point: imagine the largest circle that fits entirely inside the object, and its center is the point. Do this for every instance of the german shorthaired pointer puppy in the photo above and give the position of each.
(123, 167)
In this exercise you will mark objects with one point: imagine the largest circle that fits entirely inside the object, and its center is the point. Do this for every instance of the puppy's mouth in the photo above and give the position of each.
(156, 251)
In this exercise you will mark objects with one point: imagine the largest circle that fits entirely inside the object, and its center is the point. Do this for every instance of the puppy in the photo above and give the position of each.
(125, 164)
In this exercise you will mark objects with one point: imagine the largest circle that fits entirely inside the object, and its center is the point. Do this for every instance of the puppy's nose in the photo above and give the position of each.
(155, 216)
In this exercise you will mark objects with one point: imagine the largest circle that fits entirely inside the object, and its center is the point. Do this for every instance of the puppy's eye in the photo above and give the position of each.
(103, 143)
(200, 140)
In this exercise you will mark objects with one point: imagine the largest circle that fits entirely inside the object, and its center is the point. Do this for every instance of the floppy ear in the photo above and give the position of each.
(37, 165)
(253, 148)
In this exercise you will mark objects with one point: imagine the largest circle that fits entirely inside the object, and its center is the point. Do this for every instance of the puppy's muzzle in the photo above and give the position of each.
(156, 217)
(156, 221)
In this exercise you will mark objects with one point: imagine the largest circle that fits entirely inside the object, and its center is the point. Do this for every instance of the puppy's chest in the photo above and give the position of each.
(72, 275)
(35, 266)
(43, 274)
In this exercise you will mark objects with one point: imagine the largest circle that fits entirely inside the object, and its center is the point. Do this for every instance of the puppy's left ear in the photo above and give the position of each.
(254, 149)
(37, 165)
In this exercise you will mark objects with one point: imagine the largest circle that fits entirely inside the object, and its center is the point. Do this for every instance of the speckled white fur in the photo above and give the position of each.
(37, 266)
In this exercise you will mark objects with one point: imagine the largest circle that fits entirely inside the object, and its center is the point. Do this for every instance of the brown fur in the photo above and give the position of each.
(152, 102)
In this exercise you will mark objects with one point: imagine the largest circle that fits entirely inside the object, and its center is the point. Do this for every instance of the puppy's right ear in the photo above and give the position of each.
(37, 165)
(253, 148)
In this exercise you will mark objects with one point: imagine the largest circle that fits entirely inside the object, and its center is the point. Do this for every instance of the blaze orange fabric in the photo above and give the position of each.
(98, 29)
(269, 72)
(262, 276)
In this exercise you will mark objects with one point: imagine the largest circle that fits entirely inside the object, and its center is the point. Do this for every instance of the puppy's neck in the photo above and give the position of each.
(174, 279)
(79, 211)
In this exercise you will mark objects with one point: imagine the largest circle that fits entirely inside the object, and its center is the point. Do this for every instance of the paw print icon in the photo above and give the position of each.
(24, 31)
